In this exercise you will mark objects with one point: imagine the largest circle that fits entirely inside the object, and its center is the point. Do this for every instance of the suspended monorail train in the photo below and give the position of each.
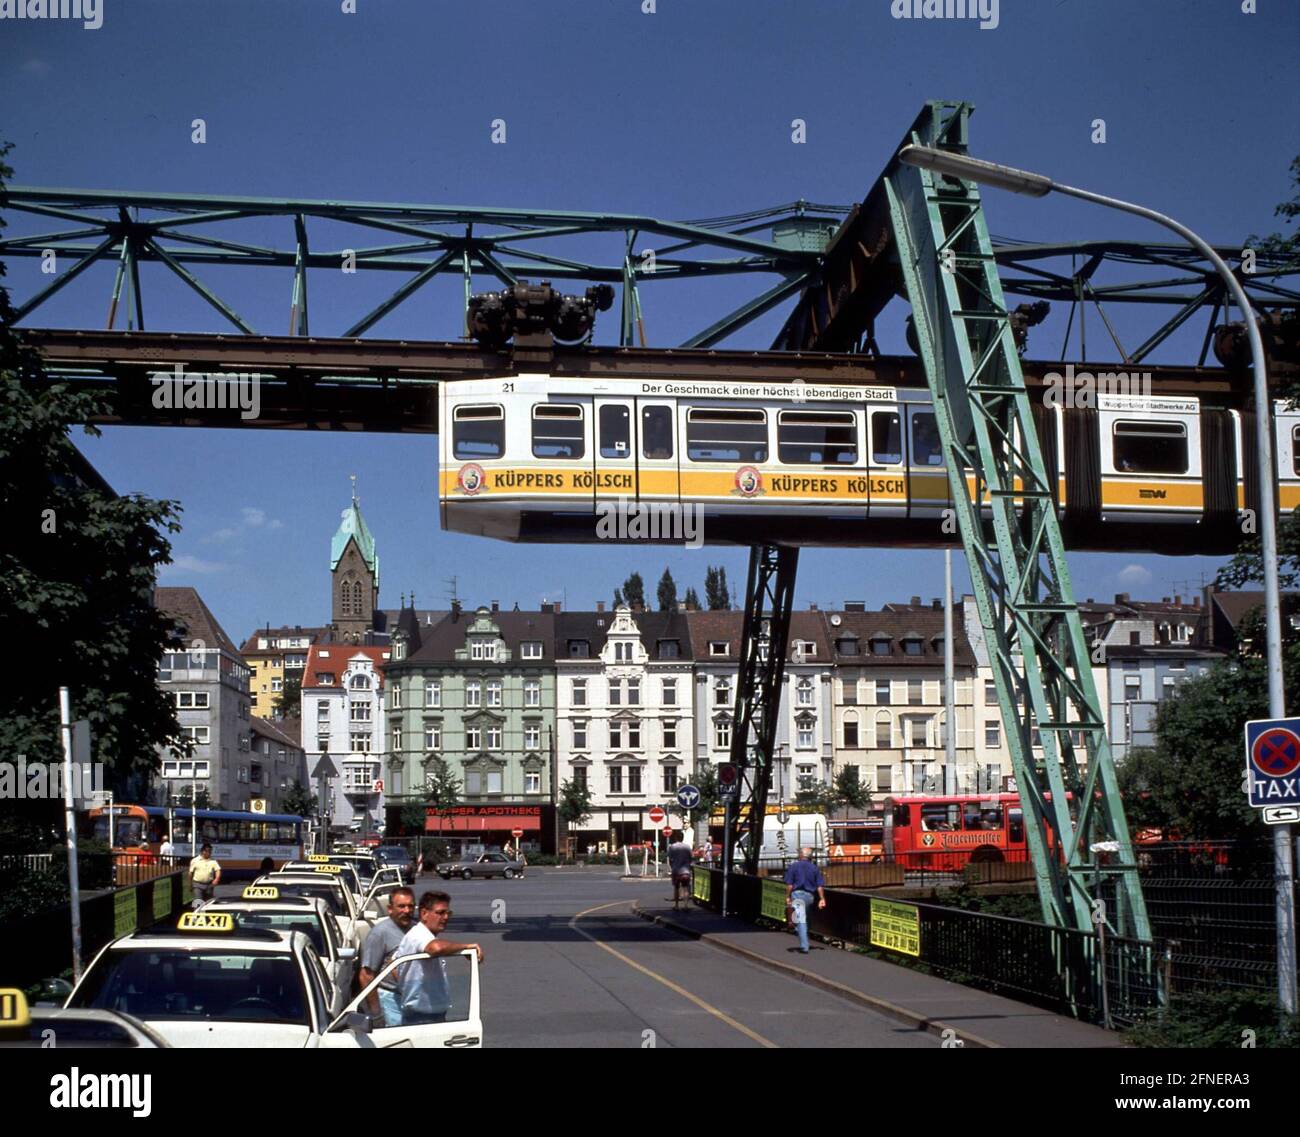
(538, 458)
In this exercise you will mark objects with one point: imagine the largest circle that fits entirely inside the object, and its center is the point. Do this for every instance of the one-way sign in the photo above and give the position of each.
(1273, 762)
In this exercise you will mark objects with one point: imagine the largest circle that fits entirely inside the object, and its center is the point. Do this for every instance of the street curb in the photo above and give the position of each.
(902, 1014)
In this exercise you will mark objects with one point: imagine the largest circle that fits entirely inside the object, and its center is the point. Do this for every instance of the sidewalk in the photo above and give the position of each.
(979, 1019)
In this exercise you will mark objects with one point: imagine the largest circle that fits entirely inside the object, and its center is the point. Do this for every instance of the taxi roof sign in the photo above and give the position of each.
(261, 892)
(13, 1008)
(206, 922)
(317, 857)
(329, 868)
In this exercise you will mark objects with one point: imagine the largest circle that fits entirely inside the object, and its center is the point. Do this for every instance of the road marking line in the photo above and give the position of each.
(685, 994)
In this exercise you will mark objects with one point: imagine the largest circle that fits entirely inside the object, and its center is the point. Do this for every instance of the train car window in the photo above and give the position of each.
(726, 436)
(886, 438)
(1151, 447)
(615, 431)
(557, 431)
(657, 432)
(819, 438)
(478, 432)
(927, 449)
(1295, 450)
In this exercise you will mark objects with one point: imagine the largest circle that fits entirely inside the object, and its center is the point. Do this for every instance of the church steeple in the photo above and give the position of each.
(354, 571)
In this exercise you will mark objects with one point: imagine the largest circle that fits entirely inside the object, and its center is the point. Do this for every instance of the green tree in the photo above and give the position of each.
(298, 799)
(705, 780)
(441, 789)
(288, 703)
(77, 573)
(202, 801)
(667, 593)
(618, 598)
(634, 591)
(691, 599)
(849, 790)
(715, 588)
(573, 804)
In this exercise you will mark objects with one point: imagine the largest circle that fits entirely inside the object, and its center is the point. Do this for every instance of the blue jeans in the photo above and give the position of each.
(390, 1003)
(800, 900)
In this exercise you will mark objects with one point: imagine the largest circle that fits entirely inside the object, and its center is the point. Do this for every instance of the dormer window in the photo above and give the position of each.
(846, 645)
(579, 649)
(623, 651)
(880, 644)
(718, 647)
(359, 683)
(483, 650)
(669, 649)
(912, 644)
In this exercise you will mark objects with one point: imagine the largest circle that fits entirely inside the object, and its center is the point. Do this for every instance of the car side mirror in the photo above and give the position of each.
(358, 1022)
(347, 953)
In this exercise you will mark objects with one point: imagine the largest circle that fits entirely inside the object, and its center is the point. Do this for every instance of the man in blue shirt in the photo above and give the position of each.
(802, 879)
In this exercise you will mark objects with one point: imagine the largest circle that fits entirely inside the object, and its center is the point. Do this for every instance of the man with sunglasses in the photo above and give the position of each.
(425, 996)
(380, 946)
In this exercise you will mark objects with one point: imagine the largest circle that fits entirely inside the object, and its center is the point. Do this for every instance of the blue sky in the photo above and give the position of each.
(683, 113)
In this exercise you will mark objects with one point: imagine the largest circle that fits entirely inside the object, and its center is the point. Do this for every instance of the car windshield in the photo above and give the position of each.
(393, 856)
(302, 922)
(327, 892)
(226, 986)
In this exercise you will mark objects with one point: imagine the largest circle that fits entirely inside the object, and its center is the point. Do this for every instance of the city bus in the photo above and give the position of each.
(947, 832)
(239, 839)
(857, 839)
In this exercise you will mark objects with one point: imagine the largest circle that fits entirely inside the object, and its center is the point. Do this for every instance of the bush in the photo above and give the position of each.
(1219, 1020)
(24, 893)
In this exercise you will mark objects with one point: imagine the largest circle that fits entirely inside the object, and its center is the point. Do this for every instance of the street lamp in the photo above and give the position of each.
(1038, 185)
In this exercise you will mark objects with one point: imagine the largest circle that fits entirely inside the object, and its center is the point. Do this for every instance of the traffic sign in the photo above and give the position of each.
(1273, 762)
(688, 797)
(516, 833)
(667, 832)
(728, 780)
(656, 816)
(1281, 815)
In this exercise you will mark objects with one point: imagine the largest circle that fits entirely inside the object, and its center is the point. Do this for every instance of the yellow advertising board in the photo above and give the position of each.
(702, 885)
(772, 902)
(124, 911)
(896, 926)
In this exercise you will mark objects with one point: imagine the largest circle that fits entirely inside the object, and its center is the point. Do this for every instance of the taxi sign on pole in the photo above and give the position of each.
(728, 780)
(1273, 763)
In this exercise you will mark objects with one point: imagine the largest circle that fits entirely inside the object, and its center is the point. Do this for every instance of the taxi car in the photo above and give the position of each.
(205, 981)
(23, 1025)
(331, 888)
(262, 906)
(487, 865)
(362, 874)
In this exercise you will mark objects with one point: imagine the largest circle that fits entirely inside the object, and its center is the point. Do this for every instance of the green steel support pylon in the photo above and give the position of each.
(1008, 524)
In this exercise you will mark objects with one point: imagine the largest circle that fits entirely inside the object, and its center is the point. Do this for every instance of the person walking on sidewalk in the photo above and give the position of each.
(679, 865)
(802, 879)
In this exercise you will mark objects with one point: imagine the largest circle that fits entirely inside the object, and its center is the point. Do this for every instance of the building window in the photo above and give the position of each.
(276, 685)
(670, 692)
(884, 779)
(879, 645)
(473, 783)
(242, 774)
(616, 779)
(623, 651)
(634, 779)
(882, 693)
(669, 649)
(494, 692)
(916, 732)
(532, 693)
(532, 737)
(359, 683)
(992, 733)
(197, 734)
(473, 693)
(579, 649)
(433, 692)
(804, 733)
(722, 693)
(483, 650)
(850, 733)
(717, 647)
(395, 697)
(494, 781)
(531, 649)
(634, 692)
(915, 693)
(615, 692)
(397, 739)
(473, 738)
(911, 646)
(494, 738)
(192, 700)
(432, 736)
(804, 691)
(580, 734)
(722, 735)
(884, 731)
(579, 692)
(580, 776)
(532, 782)
(359, 712)
(990, 692)
(670, 734)
(616, 736)
(634, 736)
(360, 743)
(670, 779)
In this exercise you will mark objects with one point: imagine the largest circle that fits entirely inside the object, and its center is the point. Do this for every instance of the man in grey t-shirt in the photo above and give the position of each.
(679, 864)
(380, 946)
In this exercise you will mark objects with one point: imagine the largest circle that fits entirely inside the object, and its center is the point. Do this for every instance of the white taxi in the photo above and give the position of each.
(207, 982)
(330, 887)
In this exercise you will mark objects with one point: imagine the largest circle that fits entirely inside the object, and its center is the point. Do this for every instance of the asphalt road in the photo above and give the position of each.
(567, 963)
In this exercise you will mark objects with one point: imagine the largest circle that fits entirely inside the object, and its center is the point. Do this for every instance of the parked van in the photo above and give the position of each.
(781, 843)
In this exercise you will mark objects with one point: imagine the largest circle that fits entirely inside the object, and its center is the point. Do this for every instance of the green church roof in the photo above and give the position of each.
(353, 527)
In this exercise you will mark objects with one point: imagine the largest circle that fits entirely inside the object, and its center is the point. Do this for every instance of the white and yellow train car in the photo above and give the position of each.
(544, 458)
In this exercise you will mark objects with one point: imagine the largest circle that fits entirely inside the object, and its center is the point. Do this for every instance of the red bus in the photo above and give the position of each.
(947, 832)
(857, 839)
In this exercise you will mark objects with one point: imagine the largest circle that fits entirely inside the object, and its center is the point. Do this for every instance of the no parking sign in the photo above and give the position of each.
(1273, 763)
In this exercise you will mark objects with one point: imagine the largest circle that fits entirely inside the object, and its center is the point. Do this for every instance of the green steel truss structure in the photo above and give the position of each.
(1013, 545)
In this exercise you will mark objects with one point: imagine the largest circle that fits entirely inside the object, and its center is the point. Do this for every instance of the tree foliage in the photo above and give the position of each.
(706, 781)
(202, 801)
(298, 799)
(716, 592)
(288, 703)
(667, 592)
(574, 803)
(77, 572)
(849, 790)
(634, 591)
(692, 598)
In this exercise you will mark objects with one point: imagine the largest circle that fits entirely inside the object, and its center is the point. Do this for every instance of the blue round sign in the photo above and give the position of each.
(688, 797)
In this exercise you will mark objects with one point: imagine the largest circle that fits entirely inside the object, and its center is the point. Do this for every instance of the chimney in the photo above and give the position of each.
(1177, 599)
(1196, 601)
(555, 607)
(812, 606)
(937, 604)
(600, 605)
(547, 608)
(1121, 598)
(455, 611)
(916, 602)
(496, 607)
(855, 605)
